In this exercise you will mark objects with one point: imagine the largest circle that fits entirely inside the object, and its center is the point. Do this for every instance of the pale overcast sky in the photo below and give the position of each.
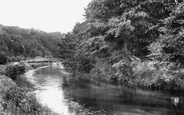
(46, 15)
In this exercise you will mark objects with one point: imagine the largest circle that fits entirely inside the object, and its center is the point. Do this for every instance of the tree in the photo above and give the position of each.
(16, 41)
(171, 40)
(117, 32)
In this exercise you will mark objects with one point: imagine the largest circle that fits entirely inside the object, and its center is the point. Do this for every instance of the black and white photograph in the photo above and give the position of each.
(91, 57)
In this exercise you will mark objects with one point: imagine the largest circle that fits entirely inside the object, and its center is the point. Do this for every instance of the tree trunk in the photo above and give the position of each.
(125, 47)
(127, 55)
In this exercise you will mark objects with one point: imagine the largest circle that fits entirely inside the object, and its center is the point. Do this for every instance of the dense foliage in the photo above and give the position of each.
(17, 43)
(134, 42)
(12, 71)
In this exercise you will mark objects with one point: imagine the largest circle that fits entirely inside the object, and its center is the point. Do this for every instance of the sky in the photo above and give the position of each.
(45, 15)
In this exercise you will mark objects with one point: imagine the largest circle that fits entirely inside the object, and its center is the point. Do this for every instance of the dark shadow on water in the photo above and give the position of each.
(114, 99)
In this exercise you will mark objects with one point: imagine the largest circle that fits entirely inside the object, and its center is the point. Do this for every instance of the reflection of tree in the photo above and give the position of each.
(65, 83)
(49, 71)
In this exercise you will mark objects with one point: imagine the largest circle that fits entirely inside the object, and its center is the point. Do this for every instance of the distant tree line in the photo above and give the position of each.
(17, 43)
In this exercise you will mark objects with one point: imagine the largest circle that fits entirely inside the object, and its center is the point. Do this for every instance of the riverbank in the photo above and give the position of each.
(16, 100)
(145, 75)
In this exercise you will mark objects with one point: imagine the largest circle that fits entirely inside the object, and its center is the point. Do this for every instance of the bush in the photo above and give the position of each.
(13, 70)
(158, 75)
(103, 72)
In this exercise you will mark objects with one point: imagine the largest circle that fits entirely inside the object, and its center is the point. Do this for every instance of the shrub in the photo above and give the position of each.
(13, 70)
(158, 75)
(103, 72)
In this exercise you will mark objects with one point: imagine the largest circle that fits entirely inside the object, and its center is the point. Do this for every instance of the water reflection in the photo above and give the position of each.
(52, 96)
(70, 96)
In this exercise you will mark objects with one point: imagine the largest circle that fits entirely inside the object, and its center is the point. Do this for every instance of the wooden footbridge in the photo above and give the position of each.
(42, 60)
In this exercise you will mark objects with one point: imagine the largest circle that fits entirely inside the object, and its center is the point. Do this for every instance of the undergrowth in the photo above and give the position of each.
(150, 74)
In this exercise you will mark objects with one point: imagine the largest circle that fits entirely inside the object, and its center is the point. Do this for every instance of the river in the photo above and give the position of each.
(67, 95)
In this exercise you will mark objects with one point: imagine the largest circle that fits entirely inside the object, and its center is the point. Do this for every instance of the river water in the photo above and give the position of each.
(67, 95)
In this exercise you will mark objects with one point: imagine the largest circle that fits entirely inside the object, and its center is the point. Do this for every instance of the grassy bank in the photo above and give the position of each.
(15, 100)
